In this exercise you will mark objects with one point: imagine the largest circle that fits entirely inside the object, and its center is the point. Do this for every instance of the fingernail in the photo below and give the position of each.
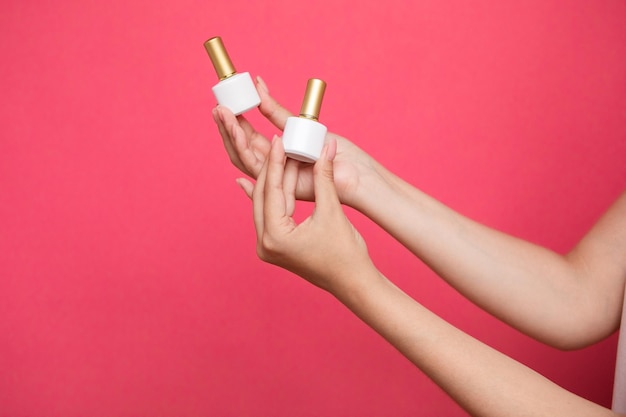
(277, 142)
(219, 113)
(242, 184)
(262, 84)
(324, 152)
(331, 150)
(333, 153)
(239, 182)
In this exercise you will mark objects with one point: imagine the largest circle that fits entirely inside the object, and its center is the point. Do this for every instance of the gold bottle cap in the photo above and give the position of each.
(219, 57)
(313, 99)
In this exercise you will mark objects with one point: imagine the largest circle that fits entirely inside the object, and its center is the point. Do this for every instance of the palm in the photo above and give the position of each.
(346, 172)
(248, 150)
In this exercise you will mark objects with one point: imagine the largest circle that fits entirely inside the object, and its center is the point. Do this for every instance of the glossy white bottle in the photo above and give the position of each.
(235, 91)
(303, 137)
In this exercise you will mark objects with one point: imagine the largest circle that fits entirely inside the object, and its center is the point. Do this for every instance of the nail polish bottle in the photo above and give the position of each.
(303, 137)
(235, 90)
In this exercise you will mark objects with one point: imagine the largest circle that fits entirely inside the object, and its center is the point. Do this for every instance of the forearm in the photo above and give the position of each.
(543, 290)
(482, 380)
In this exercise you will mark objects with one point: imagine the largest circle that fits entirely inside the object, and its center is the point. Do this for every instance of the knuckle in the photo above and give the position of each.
(268, 248)
(325, 171)
(260, 252)
(270, 245)
(266, 107)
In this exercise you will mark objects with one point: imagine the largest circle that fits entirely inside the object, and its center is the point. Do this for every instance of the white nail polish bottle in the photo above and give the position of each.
(235, 91)
(303, 137)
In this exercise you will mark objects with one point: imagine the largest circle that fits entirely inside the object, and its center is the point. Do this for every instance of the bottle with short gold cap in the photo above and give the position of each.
(303, 137)
(235, 90)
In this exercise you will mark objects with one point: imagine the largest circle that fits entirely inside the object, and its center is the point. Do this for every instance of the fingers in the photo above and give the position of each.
(270, 108)
(326, 199)
(258, 195)
(225, 130)
(268, 200)
(290, 181)
(246, 186)
(249, 160)
(245, 147)
(275, 207)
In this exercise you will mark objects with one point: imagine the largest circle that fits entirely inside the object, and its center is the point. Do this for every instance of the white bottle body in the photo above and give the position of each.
(303, 139)
(237, 93)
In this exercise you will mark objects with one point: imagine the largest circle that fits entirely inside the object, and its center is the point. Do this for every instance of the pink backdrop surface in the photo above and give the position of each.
(129, 284)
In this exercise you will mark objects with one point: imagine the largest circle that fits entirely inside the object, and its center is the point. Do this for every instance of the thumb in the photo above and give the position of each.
(326, 198)
(270, 108)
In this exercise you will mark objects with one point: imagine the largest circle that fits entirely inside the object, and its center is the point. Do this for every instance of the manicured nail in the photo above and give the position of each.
(243, 184)
(219, 113)
(332, 150)
(262, 84)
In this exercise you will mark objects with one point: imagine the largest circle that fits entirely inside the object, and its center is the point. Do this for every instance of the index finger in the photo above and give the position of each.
(275, 204)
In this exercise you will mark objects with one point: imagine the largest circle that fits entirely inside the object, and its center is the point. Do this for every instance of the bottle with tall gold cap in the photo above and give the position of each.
(303, 137)
(235, 90)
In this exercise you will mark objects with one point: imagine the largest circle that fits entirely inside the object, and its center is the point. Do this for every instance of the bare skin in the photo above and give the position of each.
(578, 296)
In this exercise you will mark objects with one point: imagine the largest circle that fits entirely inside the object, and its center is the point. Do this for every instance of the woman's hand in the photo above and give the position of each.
(248, 150)
(325, 248)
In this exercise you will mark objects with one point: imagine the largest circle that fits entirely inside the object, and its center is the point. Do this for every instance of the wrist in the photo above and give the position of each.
(375, 183)
(359, 285)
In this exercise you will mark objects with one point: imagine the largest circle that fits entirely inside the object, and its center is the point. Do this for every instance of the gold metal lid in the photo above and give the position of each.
(219, 57)
(313, 99)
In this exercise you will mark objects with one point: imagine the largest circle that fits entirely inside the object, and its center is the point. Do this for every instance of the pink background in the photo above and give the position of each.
(129, 284)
